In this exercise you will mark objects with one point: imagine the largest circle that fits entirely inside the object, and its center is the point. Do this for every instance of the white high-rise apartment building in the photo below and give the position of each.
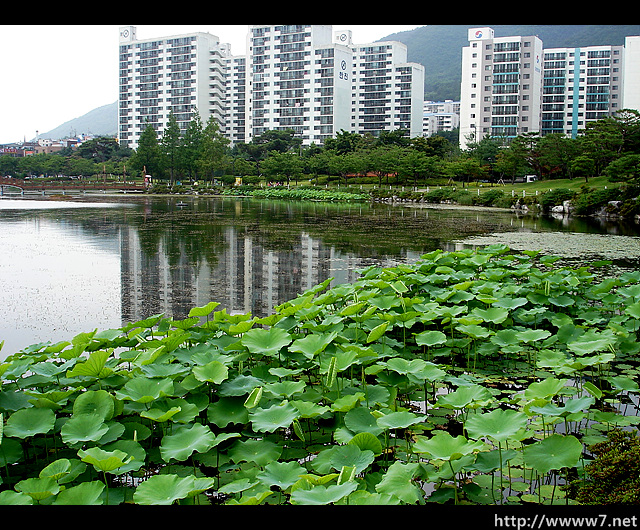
(297, 79)
(631, 96)
(501, 86)
(388, 91)
(580, 85)
(302, 77)
(512, 85)
(180, 74)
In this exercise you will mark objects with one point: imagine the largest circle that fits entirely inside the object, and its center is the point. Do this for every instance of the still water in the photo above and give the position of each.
(98, 262)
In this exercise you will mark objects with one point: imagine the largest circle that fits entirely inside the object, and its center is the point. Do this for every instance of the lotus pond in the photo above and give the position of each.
(474, 376)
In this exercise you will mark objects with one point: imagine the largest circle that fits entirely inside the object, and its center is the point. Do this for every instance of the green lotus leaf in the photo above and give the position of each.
(95, 401)
(321, 495)
(227, 410)
(312, 344)
(545, 389)
(57, 469)
(14, 498)
(510, 303)
(360, 419)
(286, 388)
(633, 310)
(239, 386)
(399, 420)
(131, 448)
(403, 366)
(499, 425)
(163, 490)
(495, 315)
(266, 342)
(185, 441)
(83, 428)
(398, 483)
(443, 446)
(308, 409)
(281, 474)
(273, 418)
(11, 451)
(554, 452)
(204, 310)
(469, 396)
(38, 488)
(87, 493)
(533, 335)
(623, 383)
(260, 452)
(475, 331)
(94, 366)
(583, 346)
(430, 338)
(104, 461)
(213, 372)
(25, 423)
(337, 456)
(367, 442)
(145, 390)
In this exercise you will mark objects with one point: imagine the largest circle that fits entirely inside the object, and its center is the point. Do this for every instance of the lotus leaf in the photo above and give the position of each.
(471, 396)
(443, 446)
(273, 418)
(266, 342)
(99, 402)
(398, 483)
(360, 419)
(399, 420)
(143, 390)
(87, 493)
(227, 410)
(29, 422)
(367, 442)
(500, 425)
(167, 489)
(83, 428)
(104, 461)
(554, 452)
(430, 338)
(185, 441)
(213, 372)
(260, 452)
(57, 469)
(321, 495)
(38, 488)
(334, 458)
(281, 474)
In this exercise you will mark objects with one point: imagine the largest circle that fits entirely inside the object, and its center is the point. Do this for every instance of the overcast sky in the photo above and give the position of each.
(51, 74)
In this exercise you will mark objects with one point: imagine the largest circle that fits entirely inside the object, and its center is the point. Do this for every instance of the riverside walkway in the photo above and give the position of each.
(10, 185)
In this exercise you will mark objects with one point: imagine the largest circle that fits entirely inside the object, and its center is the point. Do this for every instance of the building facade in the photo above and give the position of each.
(500, 88)
(512, 85)
(580, 85)
(307, 78)
(181, 74)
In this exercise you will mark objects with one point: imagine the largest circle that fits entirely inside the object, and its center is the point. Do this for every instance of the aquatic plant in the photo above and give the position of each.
(451, 380)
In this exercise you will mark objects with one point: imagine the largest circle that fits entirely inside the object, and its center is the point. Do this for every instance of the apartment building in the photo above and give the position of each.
(302, 77)
(580, 85)
(440, 116)
(512, 85)
(388, 91)
(180, 74)
(500, 88)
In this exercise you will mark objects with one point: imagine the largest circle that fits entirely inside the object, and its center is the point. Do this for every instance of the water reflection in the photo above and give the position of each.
(79, 264)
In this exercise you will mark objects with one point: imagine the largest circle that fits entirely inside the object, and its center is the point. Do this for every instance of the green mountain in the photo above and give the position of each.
(439, 47)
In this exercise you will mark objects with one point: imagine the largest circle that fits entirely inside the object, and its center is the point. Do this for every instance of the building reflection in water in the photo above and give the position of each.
(247, 278)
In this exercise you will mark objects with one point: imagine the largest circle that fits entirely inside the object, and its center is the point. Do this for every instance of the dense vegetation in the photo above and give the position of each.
(477, 377)
(610, 147)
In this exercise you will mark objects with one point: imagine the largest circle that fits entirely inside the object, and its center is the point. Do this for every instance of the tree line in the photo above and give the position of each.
(610, 146)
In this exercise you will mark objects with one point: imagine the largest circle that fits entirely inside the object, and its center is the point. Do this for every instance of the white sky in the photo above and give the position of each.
(50, 74)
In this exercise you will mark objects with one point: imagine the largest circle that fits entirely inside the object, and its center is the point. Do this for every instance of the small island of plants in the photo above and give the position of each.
(480, 376)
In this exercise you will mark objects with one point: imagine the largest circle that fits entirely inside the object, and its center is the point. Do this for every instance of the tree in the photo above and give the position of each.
(287, 164)
(98, 149)
(583, 165)
(416, 163)
(626, 167)
(170, 145)
(343, 142)
(214, 146)
(191, 146)
(148, 156)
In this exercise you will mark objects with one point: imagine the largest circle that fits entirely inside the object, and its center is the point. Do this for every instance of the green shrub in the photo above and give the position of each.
(555, 197)
(614, 476)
